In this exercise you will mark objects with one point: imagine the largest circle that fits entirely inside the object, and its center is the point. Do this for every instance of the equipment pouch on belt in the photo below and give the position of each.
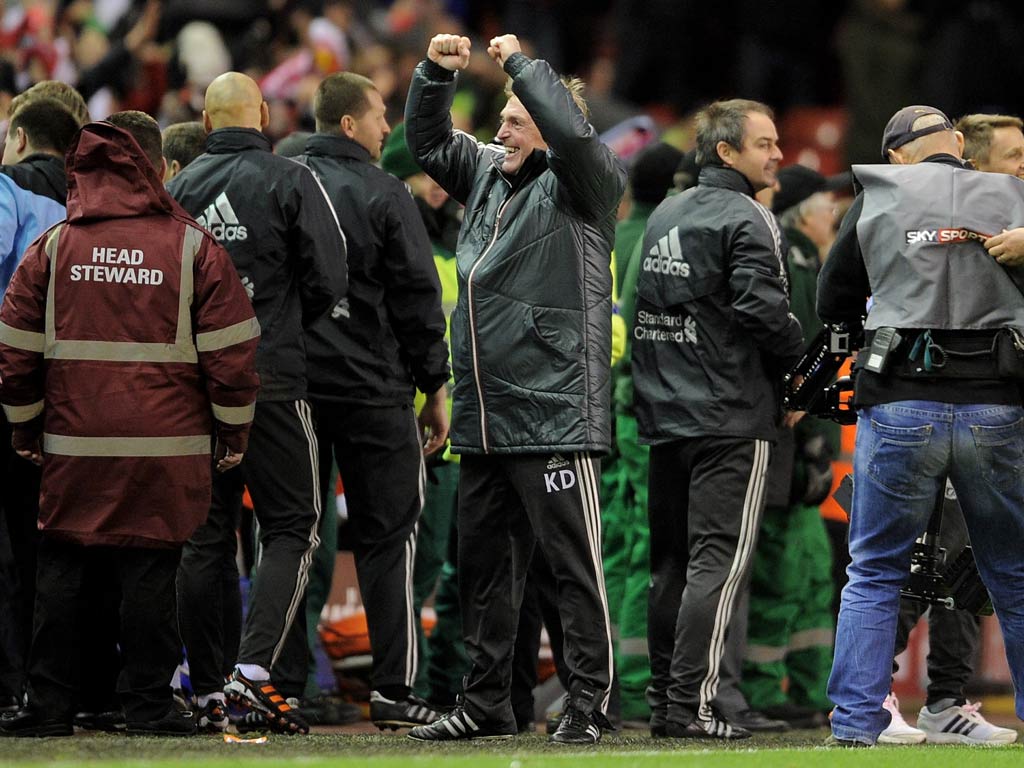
(1009, 353)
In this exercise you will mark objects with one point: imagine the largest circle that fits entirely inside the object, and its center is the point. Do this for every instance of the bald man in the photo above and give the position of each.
(272, 216)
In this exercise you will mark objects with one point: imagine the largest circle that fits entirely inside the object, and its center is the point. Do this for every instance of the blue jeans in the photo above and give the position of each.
(904, 452)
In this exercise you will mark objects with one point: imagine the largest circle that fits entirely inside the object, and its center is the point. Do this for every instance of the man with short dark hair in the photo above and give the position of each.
(146, 132)
(366, 361)
(935, 399)
(183, 143)
(32, 184)
(713, 337)
(277, 224)
(531, 337)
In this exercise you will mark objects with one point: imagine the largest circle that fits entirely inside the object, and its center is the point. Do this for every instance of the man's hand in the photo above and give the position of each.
(792, 418)
(35, 456)
(502, 47)
(226, 458)
(1007, 247)
(433, 421)
(449, 51)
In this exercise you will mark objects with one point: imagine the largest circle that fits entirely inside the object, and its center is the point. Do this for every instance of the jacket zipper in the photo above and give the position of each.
(472, 321)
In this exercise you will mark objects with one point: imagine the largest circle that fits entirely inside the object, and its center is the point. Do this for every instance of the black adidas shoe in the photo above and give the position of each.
(576, 727)
(404, 713)
(713, 727)
(457, 725)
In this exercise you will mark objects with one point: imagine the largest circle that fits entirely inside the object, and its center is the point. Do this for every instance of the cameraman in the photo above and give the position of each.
(935, 398)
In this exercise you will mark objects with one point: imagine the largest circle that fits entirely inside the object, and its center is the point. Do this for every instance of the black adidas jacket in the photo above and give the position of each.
(713, 333)
(274, 218)
(389, 334)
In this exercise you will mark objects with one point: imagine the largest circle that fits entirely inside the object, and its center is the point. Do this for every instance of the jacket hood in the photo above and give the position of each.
(110, 177)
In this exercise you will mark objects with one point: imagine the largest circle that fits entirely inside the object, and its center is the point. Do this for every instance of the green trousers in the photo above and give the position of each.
(791, 628)
(627, 571)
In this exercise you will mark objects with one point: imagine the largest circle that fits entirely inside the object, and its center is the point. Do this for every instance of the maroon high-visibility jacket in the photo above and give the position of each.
(127, 344)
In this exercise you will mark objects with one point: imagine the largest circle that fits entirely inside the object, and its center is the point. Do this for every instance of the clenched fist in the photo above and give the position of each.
(502, 47)
(449, 51)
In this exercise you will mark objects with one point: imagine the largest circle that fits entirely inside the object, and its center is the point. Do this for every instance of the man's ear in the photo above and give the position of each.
(264, 114)
(725, 152)
(895, 158)
(347, 125)
(21, 139)
(959, 141)
(207, 123)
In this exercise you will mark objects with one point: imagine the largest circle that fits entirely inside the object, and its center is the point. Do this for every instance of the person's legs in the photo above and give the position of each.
(989, 478)
(560, 494)
(381, 464)
(726, 499)
(150, 645)
(489, 507)
(281, 471)
(53, 665)
(669, 478)
(207, 605)
(900, 465)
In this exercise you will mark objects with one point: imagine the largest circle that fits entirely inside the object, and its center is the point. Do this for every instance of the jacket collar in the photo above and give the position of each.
(531, 168)
(226, 140)
(724, 178)
(945, 159)
(336, 145)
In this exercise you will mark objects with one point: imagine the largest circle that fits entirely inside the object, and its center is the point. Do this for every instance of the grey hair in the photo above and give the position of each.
(724, 121)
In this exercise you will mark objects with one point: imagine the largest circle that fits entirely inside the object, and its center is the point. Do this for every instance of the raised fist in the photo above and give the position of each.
(449, 51)
(502, 47)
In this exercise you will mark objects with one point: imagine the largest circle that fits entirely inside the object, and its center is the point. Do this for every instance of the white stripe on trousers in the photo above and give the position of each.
(589, 496)
(305, 414)
(412, 645)
(749, 521)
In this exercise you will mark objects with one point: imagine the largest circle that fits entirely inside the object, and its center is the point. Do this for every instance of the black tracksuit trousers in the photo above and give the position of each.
(377, 450)
(281, 470)
(507, 505)
(706, 496)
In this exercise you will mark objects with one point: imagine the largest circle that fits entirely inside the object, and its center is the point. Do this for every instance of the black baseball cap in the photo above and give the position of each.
(798, 182)
(900, 128)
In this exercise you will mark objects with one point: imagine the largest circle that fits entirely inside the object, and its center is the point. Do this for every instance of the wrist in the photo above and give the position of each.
(435, 71)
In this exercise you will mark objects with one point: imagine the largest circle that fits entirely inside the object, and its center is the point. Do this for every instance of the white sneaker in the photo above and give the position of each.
(962, 725)
(899, 731)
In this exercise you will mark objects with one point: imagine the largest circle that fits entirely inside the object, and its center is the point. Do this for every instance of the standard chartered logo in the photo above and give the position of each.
(666, 257)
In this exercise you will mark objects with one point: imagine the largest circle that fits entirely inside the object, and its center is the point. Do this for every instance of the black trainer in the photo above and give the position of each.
(28, 722)
(576, 727)
(757, 722)
(403, 713)
(111, 721)
(281, 716)
(714, 727)
(174, 723)
(457, 725)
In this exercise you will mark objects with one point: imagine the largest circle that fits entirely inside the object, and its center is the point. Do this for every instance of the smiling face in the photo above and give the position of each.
(518, 134)
(1006, 152)
(758, 157)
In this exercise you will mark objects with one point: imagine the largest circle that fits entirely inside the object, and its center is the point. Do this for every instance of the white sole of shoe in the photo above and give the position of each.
(902, 738)
(956, 738)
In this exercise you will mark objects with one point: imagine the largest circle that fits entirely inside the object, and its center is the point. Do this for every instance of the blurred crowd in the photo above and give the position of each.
(657, 61)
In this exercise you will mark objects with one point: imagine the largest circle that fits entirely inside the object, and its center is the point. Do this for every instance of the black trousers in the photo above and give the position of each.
(377, 450)
(19, 512)
(706, 496)
(952, 635)
(148, 637)
(281, 471)
(507, 505)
